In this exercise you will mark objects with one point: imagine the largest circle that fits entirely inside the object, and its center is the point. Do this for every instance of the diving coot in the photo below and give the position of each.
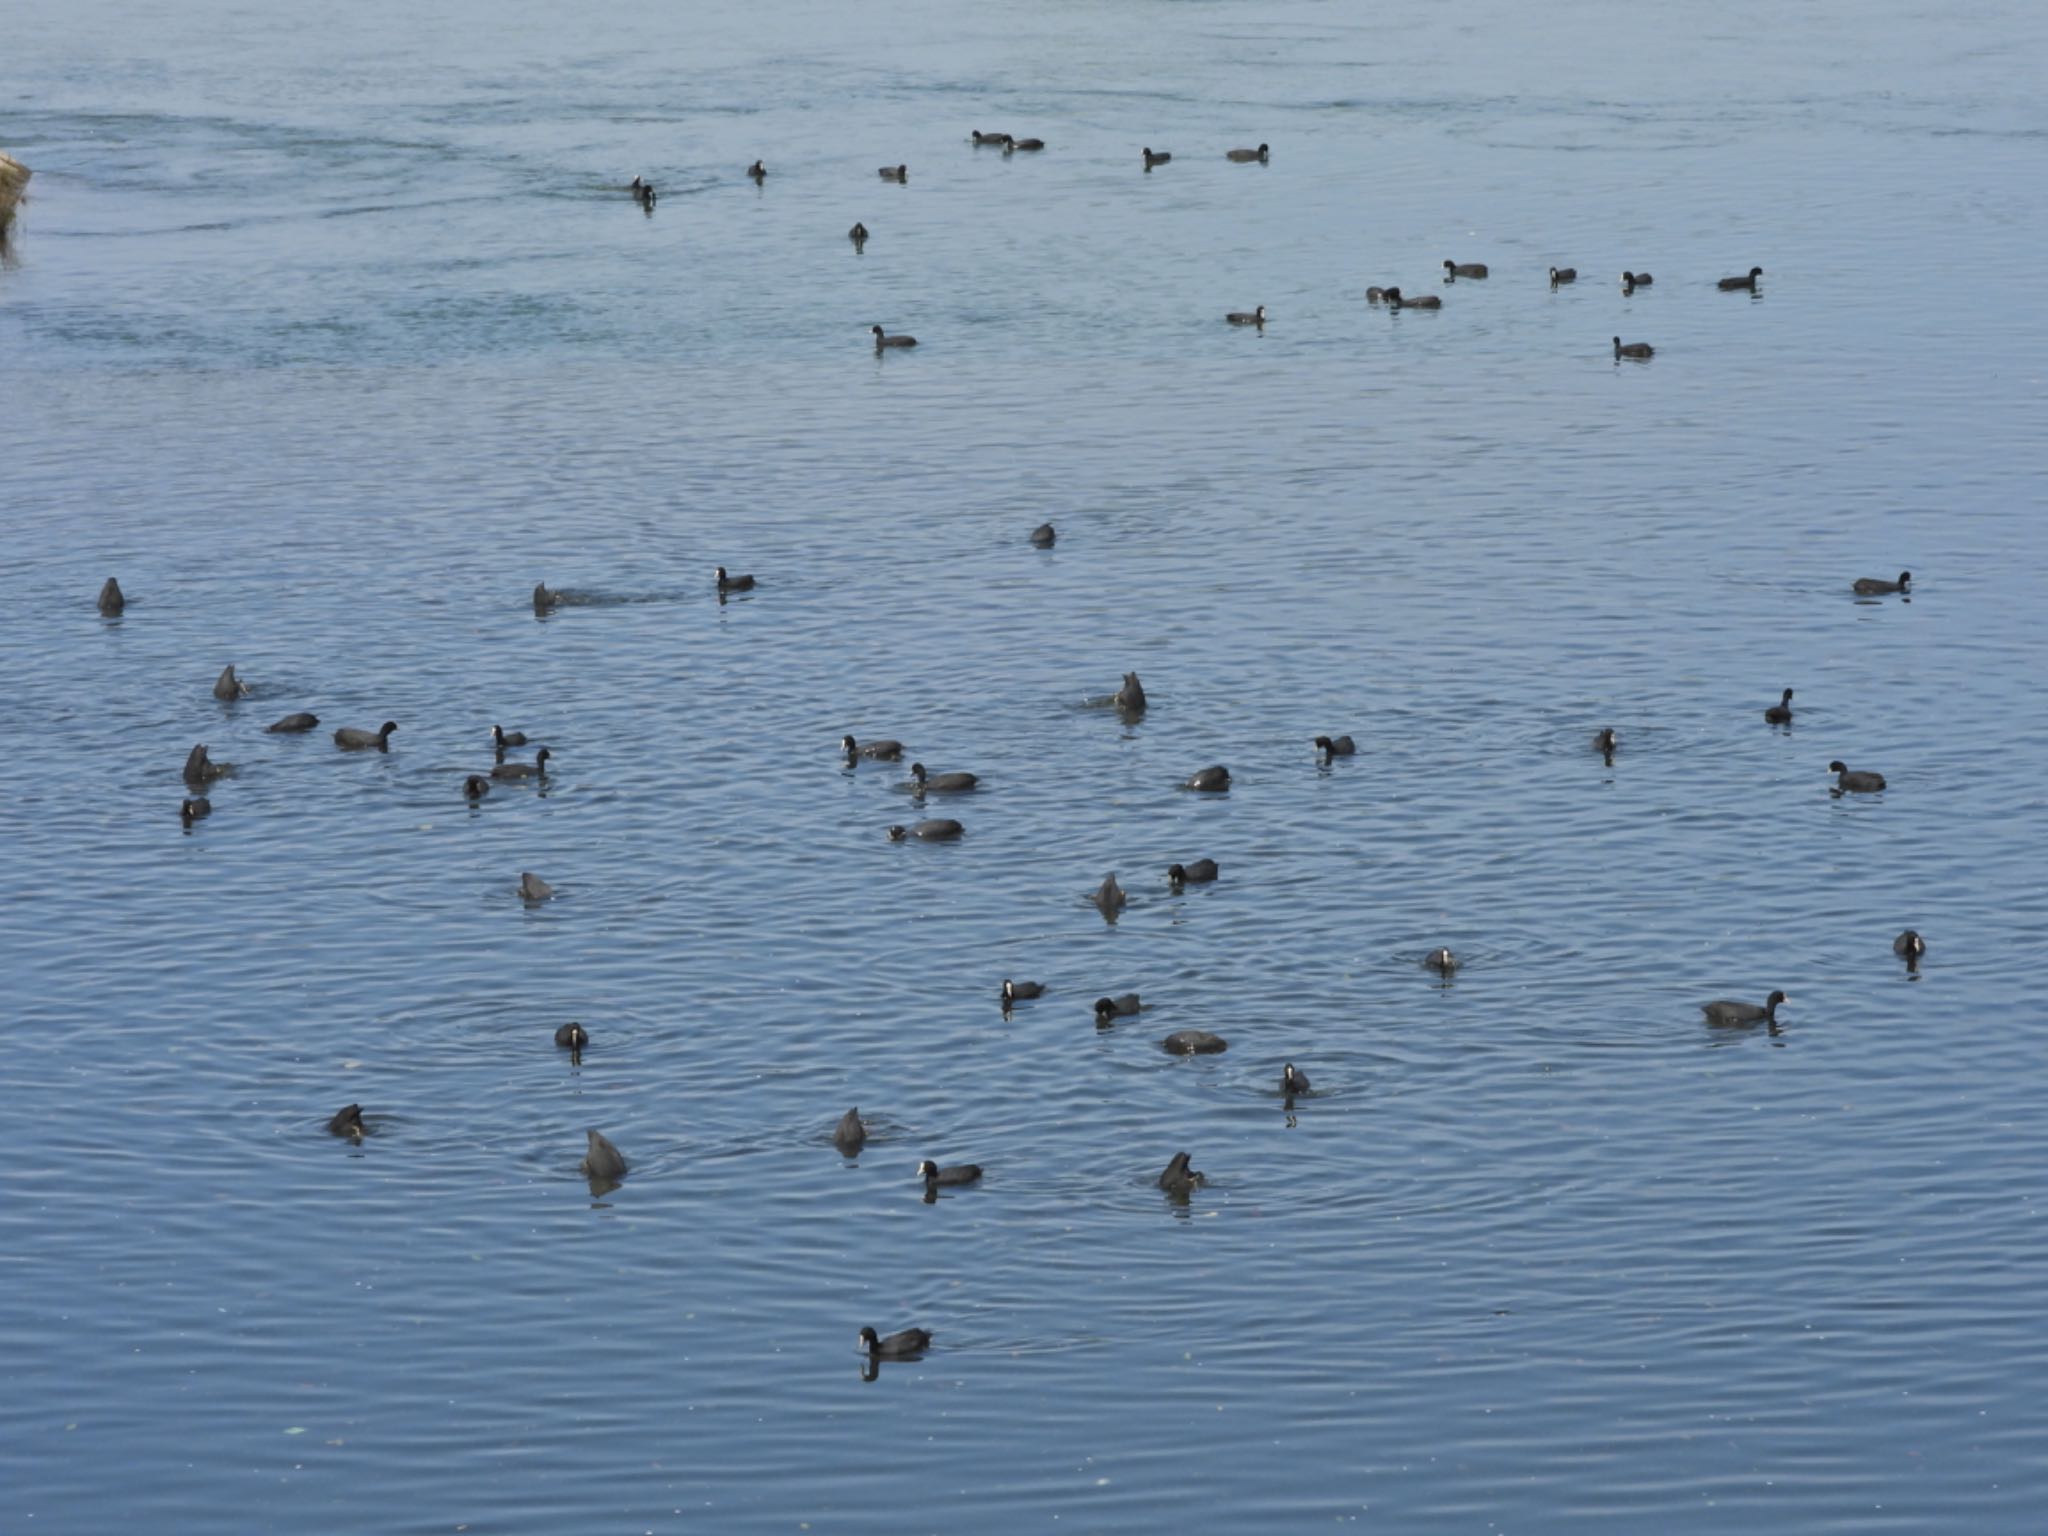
(1109, 897)
(851, 1133)
(602, 1160)
(1179, 1178)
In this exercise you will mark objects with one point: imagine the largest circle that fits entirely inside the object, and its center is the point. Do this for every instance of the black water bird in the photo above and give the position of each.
(200, 768)
(601, 1160)
(1109, 897)
(350, 739)
(1855, 781)
(936, 829)
(851, 1133)
(537, 769)
(1724, 1011)
(1179, 1178)
(1109, 1008)
(924, 783)
(907, 1345)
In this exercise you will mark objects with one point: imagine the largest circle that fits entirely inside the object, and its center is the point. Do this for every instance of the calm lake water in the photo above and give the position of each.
(330, 332)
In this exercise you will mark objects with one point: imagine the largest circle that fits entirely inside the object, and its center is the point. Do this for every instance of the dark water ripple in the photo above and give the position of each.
(333, 343)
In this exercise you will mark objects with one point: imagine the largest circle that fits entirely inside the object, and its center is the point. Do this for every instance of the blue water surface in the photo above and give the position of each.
(330, 331)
